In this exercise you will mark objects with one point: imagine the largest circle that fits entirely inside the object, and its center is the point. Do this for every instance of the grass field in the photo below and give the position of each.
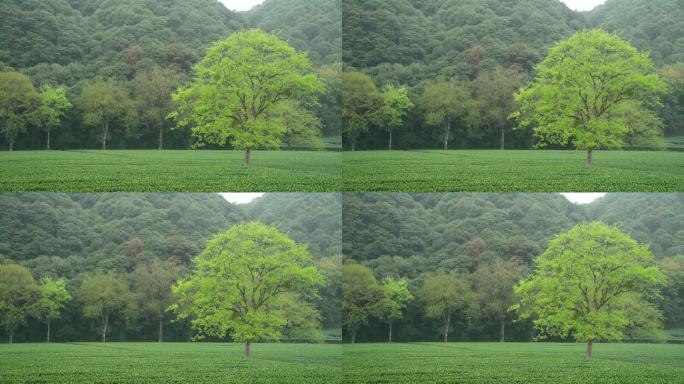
(169, 171)
(513, 363)
(512, 171)
(167, 363)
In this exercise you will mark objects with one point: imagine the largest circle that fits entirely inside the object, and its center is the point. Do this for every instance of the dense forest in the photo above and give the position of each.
(411, 236)
(71, 236)
(490, 49)
(145, 50)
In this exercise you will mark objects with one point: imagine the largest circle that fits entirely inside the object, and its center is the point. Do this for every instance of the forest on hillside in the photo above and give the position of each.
(490, 49)
(71, 236)
(479, 236)
(137, 53)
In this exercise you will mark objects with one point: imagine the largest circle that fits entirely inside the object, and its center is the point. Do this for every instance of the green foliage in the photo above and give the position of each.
(303, 128)
(446, 294)
(20, 297)
(491, 363)
(362, 105)
(445, 103)
(103, 294)
(201, 363)
(672, 110)
(672, 302)
(238, 277)
(397, 296)
(511, 171)
(395, 107)
(169, 171)
(579, 84)
(54, 296)
(493, 284)
(493, 91)
(19, 103)
(53, 106)
(586, 282)
(362, 297)
(237, 84)
(104, 102)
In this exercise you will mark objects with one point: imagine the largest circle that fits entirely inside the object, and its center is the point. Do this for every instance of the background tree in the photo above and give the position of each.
(362, 105)
(446, 102)
(151, 284)
(582, 280)
(19, 297)
(302, 126)
(235, 86)
(238, 276)
(672, 302)
(672, 110)
(18, 103)
(397, 296)
(53, 106)
(103, 102)
(493, 285)
(103, 294)
(644, 126)
(362, 297)
(493, 92)
(580, 83)
(302, 319)
(54, 297)
(444, 294)
(396, 104)
(152, 91)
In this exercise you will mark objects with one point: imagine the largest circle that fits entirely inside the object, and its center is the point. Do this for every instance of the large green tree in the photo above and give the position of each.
(582, 281)
(239, 277)
(444, 294)
(397, 296)
(53, 105)
(396, 104)
(151, 284)
(362, 105)
(362, 297)
(54, 297)
(103, 102)
(237, 84)
(579, 84)
(19, 297)
(446, 102)
(19, 103)
(103, 294)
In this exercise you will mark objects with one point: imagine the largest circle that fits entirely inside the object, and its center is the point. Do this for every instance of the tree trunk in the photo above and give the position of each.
(161, 330)
(446, 328)
(447, 129)
(390, 139)
(105, 130)
(161, 138)
(590, 157)
(353, 336)
(48, 331)
(589, 349)
(248, 349)
(390, 331)
(248, 157)
(105, 321)
(48, 138)
(11, 145)
(503, 325)
(11, 336)
(503, 138)
(353, 145)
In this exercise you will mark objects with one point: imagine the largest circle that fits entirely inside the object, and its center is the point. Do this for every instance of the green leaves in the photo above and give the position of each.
(582, 280)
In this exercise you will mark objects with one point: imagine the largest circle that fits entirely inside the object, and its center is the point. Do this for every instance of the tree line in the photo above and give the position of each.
(120, 78)
(462, 256)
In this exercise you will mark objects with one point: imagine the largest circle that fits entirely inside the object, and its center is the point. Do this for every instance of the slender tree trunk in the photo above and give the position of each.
(503, 138)
(353, 145)
(248, 349)
(390, 331)
(447, 129)
(353, 336)
(503, 328)
(11, 336)
(446, 328)
(161, 330)
(161, 138)
(590, 157)
(105, 321)
(589, 348)
(48, 331)
(248, 157)
(390, 139)
(48, 138)
(11, 145)
(105, 130)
